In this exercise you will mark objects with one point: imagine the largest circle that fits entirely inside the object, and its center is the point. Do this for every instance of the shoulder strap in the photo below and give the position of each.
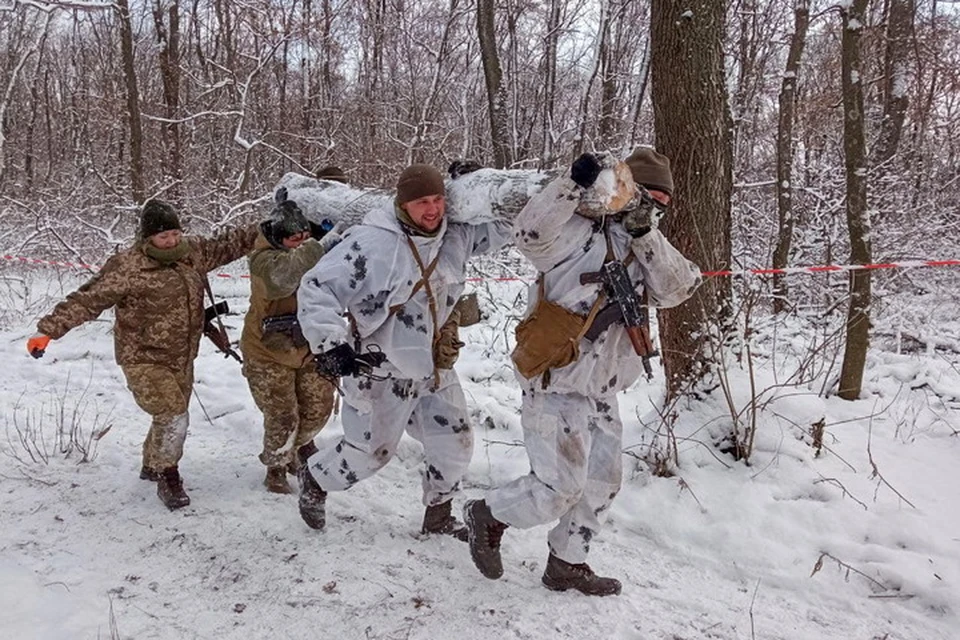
(424, 279)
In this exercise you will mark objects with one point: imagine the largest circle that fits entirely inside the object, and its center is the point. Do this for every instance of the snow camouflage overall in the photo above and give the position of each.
(571, 426)
(295, 401)
(159, 323)
(370, 271)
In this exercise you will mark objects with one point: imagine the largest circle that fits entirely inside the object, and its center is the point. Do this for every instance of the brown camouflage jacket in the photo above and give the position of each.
(274, 279)
(159, 315)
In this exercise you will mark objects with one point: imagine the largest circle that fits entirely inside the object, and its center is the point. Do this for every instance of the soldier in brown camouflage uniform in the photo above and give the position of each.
(296, 402)
(157, 288)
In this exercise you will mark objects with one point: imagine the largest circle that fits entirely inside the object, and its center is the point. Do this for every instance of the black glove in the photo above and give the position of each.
(280, 196)
(459, 168)
(342, 360)
(645, 216)
(585, 169)
(320, 230)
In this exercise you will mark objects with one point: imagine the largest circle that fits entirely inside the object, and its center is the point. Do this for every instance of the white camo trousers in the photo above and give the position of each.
(574, 443)
(376, 414)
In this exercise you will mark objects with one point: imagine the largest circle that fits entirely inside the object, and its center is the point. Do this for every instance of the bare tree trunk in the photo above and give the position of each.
(598, 59)
(693, 125)
(168, 36)
(788, 101)
(858, 220)
(496, 92)
(137, 188)
(895, 81)
(550, 81)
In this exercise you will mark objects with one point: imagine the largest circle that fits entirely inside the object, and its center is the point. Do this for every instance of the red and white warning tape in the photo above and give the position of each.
(829, 268)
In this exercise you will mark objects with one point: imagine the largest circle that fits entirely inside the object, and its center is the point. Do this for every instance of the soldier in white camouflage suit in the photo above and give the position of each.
(398, 276)
(570, 416)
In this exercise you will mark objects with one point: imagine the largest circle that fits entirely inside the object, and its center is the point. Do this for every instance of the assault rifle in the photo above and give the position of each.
(216, 333)
(286, 324)
(625, 306)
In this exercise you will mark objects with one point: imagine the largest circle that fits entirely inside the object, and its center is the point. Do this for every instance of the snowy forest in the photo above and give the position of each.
(801, 134)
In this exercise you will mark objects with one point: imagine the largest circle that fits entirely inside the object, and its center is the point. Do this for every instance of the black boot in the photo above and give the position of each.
(438, 519)
(146, 473)
(300, 457)
(313, 500)
(484, 533)
(170, 489)
(560, 576)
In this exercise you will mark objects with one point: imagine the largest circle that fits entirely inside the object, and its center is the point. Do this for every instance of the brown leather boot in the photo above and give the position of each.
(276, 480)
(560, 576)
(438, 519)
(484, 533)
(303, 452)
(170, 489)
(146, 473)
(313, 500)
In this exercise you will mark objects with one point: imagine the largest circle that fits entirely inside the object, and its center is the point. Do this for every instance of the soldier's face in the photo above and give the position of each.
(166, 239)
(426, 212)
(659, 196)
(297, 239)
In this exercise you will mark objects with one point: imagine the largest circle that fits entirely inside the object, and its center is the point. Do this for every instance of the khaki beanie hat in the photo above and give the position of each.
(651, 169)
(417, 181)
(332, 172)
(158, 216)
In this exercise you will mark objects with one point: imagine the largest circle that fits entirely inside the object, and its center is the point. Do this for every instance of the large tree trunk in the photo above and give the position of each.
(168, 36)
(496, 92)
(895, 81)
(788, 102)
(858, 220)
(137, 188)
(692, 124)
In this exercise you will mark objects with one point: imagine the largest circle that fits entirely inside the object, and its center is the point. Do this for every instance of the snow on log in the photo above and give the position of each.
(479, 196)
(475, 197)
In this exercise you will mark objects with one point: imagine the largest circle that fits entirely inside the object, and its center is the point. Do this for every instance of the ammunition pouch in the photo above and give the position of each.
(282, 333)
(548, 339)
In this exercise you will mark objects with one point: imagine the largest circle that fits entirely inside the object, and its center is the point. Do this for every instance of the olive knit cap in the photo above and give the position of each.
(651, 169)
(158, 216)
(332, 172)
(417, 181)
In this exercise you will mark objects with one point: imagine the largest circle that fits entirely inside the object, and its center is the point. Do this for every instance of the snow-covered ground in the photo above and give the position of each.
(718, 550)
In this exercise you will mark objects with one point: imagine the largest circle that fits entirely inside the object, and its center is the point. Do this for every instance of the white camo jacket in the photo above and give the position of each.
(563, 245)
(372, 270)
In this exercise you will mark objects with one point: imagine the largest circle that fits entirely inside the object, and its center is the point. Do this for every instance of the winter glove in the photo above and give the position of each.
(585, 169)
(446, 350)
(37, 345)
(459, 168)
(342, 360)
(320, 230)
(645, 216)
(332, 237)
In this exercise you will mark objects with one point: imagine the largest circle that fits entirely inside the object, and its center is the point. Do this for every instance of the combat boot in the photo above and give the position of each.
(484, 533)
(146, 473)
(560, 576)
(300, 457)
(170, 489)
(313, 500)
(438, 519)
(276, 480)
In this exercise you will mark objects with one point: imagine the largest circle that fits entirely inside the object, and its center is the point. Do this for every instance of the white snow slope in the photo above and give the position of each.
(719, 550)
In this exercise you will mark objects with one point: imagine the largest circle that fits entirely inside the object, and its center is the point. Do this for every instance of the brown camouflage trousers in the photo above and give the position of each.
(295, 403)
(164, 393)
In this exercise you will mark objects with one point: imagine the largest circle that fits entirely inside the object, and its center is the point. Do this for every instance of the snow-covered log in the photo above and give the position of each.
(479, 196)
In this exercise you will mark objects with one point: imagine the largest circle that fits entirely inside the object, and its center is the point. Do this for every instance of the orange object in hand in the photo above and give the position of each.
(37, 345)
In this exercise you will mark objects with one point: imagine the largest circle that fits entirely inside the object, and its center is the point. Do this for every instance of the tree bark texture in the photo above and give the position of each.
(496, 92)
(858, 220)
(135, 125)
(787, 102)
(693, 128)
